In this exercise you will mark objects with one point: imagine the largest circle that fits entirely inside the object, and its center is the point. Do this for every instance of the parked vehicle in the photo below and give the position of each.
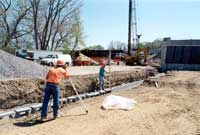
(51, 60)
(21, 53)
(38, 55)
(34, 55)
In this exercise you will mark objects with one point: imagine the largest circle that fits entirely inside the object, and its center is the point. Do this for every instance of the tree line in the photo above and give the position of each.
(41, 24)
(151, 46)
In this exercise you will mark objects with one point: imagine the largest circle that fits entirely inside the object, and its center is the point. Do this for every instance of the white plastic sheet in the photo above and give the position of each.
(118, 102)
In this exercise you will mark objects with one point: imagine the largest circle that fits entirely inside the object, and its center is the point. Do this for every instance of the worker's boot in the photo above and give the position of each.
(44, 118)
(57, 116)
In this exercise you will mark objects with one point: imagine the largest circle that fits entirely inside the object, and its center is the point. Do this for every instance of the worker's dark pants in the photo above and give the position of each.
(54, 90)
(101, 82)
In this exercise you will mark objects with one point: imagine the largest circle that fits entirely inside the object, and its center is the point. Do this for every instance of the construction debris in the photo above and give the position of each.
(82, 60)
(118, 102)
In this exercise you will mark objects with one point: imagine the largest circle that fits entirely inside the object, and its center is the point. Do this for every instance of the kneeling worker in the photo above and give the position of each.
(53, 78)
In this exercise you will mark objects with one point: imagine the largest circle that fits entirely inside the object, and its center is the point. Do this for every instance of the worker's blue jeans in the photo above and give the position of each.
(54, 90)
(101, 82)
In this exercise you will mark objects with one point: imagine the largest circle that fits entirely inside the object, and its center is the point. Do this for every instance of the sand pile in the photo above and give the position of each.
(14, 67)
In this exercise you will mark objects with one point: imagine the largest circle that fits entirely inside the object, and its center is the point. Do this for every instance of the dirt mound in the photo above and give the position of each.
(14, 67)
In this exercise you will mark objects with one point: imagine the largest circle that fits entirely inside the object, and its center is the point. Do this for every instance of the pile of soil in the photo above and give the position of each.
(15, 67)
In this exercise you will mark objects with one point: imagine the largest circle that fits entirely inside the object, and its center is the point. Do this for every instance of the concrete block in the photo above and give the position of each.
(36, 107)
(108, 90)
(76, 97)
(96, 93)
(71, 99)
(64, 100)
(24, 111)
(83, 96)
(93, 94)
(90, 94)
(102, 92)
(9, 114)
(86, 95)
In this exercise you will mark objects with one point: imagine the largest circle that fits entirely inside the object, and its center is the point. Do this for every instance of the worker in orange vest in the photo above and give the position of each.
(54, 76)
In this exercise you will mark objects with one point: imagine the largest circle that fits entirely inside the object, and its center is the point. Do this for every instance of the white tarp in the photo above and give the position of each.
(118, 102)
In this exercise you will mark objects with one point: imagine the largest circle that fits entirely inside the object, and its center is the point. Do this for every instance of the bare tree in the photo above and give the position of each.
(12, 15)
(117, 45)
(52, 22)
(77, 34)
(49, 24)
(95, 47)
(35, 9)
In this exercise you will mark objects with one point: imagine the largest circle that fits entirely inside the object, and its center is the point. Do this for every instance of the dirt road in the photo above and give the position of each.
(173, 110)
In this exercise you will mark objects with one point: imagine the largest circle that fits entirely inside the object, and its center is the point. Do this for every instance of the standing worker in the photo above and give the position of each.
(102, 76)
(54, 76)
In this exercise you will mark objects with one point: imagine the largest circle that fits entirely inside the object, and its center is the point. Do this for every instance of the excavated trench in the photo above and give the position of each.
(18, 92)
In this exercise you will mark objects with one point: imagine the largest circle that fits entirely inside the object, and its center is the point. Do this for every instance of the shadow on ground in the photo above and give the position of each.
(34, 122)
(30, 123)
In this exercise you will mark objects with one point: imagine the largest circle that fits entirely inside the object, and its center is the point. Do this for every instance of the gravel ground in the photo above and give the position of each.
(15, 67)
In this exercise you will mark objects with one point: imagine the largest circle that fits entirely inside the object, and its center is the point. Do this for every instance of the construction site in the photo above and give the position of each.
(144, 93)
(166, 103)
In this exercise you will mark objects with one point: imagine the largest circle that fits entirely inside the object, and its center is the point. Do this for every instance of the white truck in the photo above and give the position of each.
(38, 55)
(34, 55)
(51, 60)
